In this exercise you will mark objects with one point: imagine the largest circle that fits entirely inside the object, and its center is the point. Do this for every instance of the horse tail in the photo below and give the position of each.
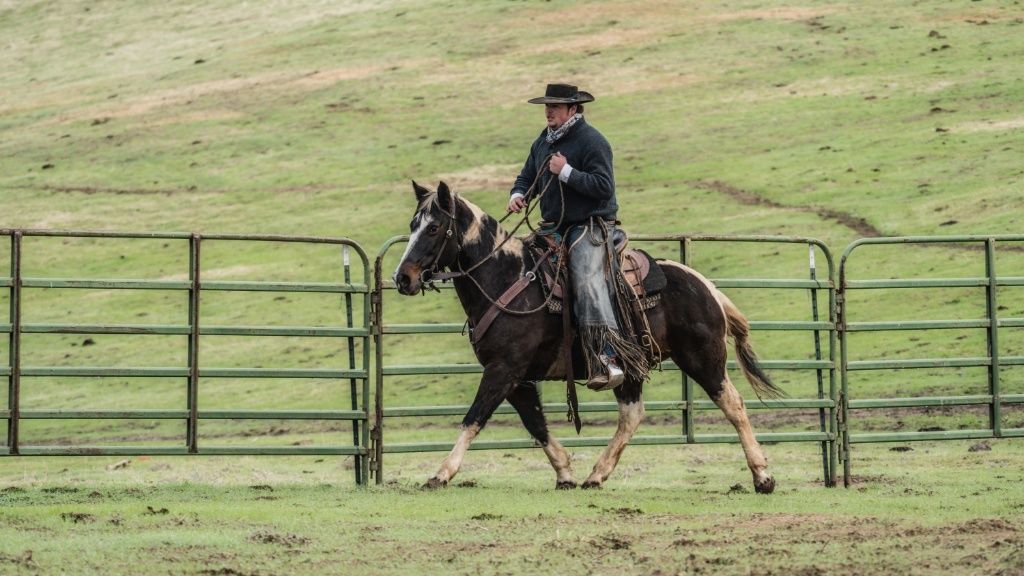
(739, 329)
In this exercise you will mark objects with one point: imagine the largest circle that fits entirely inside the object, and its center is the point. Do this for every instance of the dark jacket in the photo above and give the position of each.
(590, 190)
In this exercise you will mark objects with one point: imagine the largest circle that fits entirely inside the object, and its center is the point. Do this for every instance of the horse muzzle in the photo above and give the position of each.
(409, 278)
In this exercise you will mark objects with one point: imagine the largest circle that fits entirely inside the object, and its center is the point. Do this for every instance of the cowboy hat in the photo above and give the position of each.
(562, 94)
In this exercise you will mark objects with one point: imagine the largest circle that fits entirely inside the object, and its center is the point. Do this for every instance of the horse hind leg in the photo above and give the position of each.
(631, 413)
(731, 403)
(526, 400)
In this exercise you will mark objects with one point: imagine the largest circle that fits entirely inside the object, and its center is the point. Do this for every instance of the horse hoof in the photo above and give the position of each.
(766, 486)
(590, 484)
(434, 484)
(565, 485)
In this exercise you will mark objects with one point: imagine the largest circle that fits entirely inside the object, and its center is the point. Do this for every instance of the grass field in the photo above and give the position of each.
(828, 119)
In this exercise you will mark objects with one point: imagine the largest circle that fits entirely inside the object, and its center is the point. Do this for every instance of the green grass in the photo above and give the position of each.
(942, 510)
(832, 120)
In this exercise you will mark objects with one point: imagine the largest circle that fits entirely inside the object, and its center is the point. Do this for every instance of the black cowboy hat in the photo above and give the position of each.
(562, 94)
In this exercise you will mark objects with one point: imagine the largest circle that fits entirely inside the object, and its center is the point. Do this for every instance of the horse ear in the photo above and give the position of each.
(420, 191)
(444, 195)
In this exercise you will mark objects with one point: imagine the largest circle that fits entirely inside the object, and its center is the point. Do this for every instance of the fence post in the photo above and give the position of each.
(817, 356)
(346, 266)
(992, 305)
(14, 348)
(685, 255)
(192, 427)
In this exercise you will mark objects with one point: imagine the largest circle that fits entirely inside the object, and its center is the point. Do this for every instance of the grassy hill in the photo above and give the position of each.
(829, 119)
(312, 117)
(833, 120)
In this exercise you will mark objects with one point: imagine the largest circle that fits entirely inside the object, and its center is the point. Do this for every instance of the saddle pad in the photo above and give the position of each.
(643, 272)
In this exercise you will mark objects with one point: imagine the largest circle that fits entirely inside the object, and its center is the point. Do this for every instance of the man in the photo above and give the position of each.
(570, 166)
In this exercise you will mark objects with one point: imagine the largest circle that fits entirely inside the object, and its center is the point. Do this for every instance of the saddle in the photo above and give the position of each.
(640, 271)
(644, 277)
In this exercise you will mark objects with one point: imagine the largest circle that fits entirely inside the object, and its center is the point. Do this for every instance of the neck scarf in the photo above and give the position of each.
(554, 135)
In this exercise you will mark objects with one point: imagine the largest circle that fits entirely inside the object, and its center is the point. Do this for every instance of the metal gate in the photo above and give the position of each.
(845, 405)
(818, 317)
(973, 295)
(188, 287)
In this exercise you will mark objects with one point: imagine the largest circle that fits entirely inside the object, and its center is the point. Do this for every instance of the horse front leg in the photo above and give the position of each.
(731, 403)
(525, 398)
(631, 413)
(495, 385)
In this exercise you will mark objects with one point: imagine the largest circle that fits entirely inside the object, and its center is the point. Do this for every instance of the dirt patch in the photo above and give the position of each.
(791, 13)
(59, 490)
(991, 126)
(482, 178)
(855, 223)
(77, 517)
(611, 542)
(486, 516)
(23, 560)
(984, 526)
(88, 190)
(287, 540)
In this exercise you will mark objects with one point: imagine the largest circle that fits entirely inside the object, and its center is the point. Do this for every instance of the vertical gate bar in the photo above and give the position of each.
(14, 347)
(833, 392)
(377, 323)
(367, 306)
(817, 356)
(843, 419)
(685, 253)
(995, 411)
(352, 363)
(192, 426)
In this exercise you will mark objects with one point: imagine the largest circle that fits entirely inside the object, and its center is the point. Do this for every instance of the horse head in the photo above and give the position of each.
(434, 239)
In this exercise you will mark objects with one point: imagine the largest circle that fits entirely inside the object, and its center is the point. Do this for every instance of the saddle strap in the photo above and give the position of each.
(480, 328)
(504, 300)
(570, 383)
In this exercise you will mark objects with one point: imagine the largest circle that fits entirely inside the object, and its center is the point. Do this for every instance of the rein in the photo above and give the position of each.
(432, 274)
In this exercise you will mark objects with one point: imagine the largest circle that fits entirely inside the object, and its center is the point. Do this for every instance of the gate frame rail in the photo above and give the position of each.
(827, 405)
(995, 398)
(358, 413)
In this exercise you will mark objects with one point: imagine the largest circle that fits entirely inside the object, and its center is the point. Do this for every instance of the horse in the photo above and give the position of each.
(690, 325)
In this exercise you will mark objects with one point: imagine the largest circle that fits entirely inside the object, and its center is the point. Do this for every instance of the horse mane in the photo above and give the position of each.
(480, 222)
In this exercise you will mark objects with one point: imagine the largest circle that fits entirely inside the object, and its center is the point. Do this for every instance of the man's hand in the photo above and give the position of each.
(557, 163)
(516, 204)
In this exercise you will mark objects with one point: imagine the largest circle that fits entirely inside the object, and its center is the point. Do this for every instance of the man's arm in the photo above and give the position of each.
(517, 197)
(594, 177)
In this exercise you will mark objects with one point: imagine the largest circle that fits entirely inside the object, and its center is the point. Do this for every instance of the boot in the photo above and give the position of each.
(607, 380)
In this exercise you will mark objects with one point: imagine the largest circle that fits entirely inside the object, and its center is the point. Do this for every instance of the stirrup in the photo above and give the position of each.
(606, 381)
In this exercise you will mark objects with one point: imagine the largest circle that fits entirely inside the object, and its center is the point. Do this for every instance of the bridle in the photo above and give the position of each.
(434, 273)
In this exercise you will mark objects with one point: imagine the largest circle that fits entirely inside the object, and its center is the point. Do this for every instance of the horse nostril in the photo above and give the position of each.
(402, 280)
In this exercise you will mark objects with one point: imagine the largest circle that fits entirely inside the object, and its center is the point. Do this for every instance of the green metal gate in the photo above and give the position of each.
(351, 333)
(985, 322)
(836, 316)
(820, 360)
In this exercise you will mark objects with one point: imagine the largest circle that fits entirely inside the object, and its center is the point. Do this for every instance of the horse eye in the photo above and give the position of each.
(433, 229)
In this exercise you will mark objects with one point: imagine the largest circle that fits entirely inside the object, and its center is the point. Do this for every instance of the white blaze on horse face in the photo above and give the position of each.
(420, 224)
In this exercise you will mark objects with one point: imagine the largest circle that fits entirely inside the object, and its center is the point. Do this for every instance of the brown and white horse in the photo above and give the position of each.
(690, 325)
